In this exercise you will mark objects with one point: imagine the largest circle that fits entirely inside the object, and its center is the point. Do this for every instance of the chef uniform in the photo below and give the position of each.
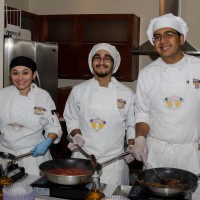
(22, 122)
(174, 113)
(103, 114)
(168, 100)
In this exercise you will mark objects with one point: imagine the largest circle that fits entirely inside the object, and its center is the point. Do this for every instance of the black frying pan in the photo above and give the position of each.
(187, 180)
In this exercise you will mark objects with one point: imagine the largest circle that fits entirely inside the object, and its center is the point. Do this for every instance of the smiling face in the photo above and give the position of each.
(22, 78)
(169, 48)
(102, 64)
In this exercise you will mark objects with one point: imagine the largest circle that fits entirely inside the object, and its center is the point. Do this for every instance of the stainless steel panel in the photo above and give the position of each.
(169, 6)
(44, 54)
(122, 190)
(14, 48)
(47, 63)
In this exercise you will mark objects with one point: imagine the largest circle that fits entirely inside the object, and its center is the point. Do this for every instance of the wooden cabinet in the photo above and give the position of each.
(63, 94)
(76, 35)
(30, 22)
(60, 150)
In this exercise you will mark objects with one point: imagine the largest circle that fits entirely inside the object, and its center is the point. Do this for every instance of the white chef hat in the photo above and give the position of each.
(168, 20)
(111, 49)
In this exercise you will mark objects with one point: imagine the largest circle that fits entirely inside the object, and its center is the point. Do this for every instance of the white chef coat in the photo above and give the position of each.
(22, 122)
(104, 116)
(168, 99)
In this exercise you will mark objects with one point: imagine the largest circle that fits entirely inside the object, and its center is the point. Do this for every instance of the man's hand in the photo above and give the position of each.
(77, 140)
(42, 147)
(140, 149)
(129, 158)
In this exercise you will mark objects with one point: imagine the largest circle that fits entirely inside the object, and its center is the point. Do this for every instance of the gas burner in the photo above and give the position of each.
(15, 172)
(137, 192)
(43, 187)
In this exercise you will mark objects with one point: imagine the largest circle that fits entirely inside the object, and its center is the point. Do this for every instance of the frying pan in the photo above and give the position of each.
(85, 164)
(187, 180)
(10, 158)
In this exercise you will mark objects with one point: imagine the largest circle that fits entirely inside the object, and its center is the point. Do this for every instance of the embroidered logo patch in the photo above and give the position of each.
(196, 83)
(173, 102)
(121, 103)
(39, 110)
(97, 124)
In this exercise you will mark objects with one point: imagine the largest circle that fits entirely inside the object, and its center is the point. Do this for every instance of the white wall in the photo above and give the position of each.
(1, 41)
(20, 4)
(145, 9)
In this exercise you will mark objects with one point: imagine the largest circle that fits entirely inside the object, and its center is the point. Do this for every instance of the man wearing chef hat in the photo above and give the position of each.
(99, 114)
(168, 100)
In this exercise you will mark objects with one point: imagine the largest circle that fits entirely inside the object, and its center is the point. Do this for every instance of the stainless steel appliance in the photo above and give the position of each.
(138, 192)
(166, 6)
(44, 54)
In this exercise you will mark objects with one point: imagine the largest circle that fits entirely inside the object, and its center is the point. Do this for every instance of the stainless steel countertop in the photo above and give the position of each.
(31, 178)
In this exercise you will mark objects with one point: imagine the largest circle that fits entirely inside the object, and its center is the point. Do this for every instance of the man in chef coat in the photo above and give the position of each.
(99, 115)
(168, 100)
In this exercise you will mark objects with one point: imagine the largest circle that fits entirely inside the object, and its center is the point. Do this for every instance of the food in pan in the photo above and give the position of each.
(69, 171)
(172, 183)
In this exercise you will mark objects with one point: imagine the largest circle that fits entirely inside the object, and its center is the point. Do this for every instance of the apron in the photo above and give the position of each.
(174, 125)
(21, 131)
(103, 130)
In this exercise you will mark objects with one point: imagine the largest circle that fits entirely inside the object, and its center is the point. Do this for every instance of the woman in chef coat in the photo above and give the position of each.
(168, 100)
(99, 114)
(25, 112)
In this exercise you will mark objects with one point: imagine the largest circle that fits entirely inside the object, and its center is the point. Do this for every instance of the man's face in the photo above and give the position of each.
(168, 43)
(102, 63)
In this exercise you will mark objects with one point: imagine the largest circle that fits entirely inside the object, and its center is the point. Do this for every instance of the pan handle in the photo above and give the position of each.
(79, 148)
(114, 159)
(24, 155)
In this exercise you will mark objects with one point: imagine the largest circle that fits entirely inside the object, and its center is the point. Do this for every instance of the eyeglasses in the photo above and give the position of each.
(167, 35)
(106, 59)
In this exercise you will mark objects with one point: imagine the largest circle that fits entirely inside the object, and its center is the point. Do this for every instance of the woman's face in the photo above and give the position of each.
(22, 78)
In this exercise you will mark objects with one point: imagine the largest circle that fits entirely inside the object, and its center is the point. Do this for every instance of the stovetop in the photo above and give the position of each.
(15, 172)
(43, 187)
(137, 192)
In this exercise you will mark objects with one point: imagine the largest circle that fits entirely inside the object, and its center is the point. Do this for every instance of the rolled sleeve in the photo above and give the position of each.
(130, 118)
(142, 106)
(142, 117)
(53, 125)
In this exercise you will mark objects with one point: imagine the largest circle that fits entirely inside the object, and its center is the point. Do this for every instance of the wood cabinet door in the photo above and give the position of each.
(68, 58)
(76, 35)
(120, 30)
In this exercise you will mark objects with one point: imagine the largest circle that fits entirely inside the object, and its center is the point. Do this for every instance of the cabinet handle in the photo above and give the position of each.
(50, 42)
(62, 76)
(87, 75)
(119, 77)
